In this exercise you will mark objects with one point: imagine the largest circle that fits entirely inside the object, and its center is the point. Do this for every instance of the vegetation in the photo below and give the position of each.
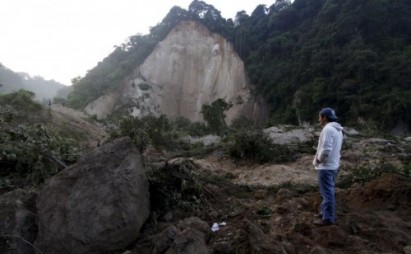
(256, 146)
(351, 55)
(29, 150)
(214, 115)
(160, 132)
(21, 101)
(244, 140)
(176, 186)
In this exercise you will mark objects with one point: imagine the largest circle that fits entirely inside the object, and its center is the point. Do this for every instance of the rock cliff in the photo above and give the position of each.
(189, 68)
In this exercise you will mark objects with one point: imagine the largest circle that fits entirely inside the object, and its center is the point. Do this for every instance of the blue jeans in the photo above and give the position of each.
(326, 180)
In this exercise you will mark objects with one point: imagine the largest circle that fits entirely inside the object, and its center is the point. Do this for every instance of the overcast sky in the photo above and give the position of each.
(63, 39)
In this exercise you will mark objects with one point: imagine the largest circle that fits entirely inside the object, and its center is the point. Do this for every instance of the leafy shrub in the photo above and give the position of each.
(255, 145)
(191, 128)
(214, 115)
(176, 186)
(158, 132)
(31, 152)
(18, 105)
(243, 123)
(22, 100)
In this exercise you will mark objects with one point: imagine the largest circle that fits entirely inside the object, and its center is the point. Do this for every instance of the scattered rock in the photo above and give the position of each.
(164, 240)
(259, 242)
(330, 236)
(189, 241)
(207, 140)
(351, 132)
(195, 223)
(289, 134)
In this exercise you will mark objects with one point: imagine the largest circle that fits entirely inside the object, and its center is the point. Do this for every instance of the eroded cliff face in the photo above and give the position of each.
(189, 68)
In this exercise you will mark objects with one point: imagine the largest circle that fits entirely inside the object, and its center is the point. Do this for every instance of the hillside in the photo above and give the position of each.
(190, 68)
(301, 56)
(37, 141)
(153, 184)
(260, 208)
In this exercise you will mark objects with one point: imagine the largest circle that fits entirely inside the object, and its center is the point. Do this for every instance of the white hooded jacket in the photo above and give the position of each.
(329, 147)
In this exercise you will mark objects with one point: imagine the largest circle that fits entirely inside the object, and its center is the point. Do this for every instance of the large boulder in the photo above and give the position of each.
(18, 227)
(97, 205)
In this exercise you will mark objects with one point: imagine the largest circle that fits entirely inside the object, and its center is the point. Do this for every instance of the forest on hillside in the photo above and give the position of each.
(353, 55)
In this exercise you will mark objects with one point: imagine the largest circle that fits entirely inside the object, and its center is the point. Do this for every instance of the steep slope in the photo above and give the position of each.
(189, 68)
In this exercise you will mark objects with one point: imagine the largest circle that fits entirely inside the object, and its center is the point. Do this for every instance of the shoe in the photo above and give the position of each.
(321, 222)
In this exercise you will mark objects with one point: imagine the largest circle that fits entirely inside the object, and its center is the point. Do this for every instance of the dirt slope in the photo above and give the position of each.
(74, 121)
(271, 208)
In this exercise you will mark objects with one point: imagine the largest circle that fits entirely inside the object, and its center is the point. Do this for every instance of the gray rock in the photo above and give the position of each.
(207, 140)
(351, 132)
(18, 226)
(164, 240)
(259, 242)
(189, 241)
(97, 205)
(196, 223)
(286, 134)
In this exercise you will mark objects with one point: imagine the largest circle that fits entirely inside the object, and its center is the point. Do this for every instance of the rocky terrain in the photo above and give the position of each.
(271, 208)
(212, 204)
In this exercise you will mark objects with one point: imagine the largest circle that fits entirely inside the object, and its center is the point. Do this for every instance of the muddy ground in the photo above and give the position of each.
(270, 208)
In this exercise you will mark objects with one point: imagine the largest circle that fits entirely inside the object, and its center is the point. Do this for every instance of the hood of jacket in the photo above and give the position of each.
(335, 125)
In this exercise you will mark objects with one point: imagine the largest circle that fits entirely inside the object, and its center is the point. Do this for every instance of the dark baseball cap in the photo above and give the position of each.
(329, 113)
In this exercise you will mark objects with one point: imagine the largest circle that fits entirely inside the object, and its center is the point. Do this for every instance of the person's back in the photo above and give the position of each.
(330, 143)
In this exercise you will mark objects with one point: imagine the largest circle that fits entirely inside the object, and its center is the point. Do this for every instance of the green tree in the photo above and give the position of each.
(214, 115)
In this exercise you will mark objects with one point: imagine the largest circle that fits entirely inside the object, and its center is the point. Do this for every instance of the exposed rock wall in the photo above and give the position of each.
(189, 68)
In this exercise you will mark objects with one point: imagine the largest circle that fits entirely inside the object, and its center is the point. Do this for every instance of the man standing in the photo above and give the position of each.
(327, 162)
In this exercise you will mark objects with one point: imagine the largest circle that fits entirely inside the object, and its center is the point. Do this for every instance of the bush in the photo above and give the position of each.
(176, 186)
(32, 153)
(184, 125)
(22, 100)
(29, 150)
(159, 132)
(214, 115)
(243, 123)
(255, 145)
